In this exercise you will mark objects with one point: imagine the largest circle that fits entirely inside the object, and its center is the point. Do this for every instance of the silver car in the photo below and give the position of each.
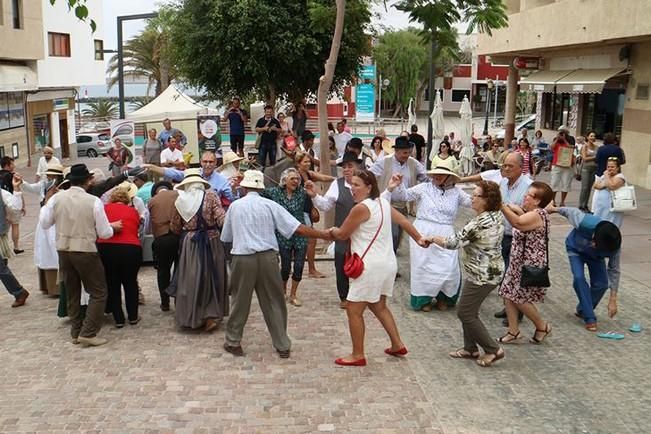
(93, 144)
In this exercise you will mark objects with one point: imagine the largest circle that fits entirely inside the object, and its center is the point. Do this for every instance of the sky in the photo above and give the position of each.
(114, 8)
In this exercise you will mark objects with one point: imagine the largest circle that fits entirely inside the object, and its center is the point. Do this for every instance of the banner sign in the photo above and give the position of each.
(208, 133)
(365, 103)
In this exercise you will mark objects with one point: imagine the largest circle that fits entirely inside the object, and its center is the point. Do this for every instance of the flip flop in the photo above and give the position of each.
(611, 335)
(636, 327)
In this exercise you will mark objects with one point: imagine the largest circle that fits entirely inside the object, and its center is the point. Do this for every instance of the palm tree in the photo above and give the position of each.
(147, 55)
(101, 110)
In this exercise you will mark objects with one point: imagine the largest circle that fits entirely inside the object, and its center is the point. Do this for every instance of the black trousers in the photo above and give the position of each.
(237, 143)
(166, 254)
(121, 265)
(342, 279)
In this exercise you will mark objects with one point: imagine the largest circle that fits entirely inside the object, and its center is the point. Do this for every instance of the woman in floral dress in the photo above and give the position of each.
(529, 247)
(435, 272)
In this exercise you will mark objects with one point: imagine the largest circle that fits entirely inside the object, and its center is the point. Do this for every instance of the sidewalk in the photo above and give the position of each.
(155, 378)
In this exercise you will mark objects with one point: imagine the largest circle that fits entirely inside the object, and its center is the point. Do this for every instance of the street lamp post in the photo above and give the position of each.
(489, 88)
(121, 19)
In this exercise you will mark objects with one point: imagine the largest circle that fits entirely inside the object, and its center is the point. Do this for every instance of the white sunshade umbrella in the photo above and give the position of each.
(438, 127)
(411, 111)
(465, 135)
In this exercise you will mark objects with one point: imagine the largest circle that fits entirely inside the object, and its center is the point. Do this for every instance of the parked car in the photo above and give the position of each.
(93, 144)
(529, 123)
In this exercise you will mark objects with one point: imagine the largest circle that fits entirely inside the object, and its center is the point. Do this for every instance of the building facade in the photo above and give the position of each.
(72, 56)
(593, 73)
(21, 46)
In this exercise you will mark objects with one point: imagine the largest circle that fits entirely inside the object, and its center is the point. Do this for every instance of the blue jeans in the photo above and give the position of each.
(589, 295)
(7, 277)
(267, 149)
(286, 263)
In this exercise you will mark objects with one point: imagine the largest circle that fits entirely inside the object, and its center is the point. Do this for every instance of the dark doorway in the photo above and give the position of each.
(63, 134)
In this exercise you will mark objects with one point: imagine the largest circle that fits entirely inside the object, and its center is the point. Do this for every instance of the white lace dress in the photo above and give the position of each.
(435, 269)
(380, 263)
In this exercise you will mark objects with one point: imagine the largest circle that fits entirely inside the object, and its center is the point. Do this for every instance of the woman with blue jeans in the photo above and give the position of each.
(291, 196)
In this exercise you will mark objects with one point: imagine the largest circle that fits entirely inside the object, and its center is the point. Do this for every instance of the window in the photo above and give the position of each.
(642, 91)
(99, 49)
(556, 110)
(458, 94)
(58, 44)
(12, 110)
(16, 6)
(84, 139)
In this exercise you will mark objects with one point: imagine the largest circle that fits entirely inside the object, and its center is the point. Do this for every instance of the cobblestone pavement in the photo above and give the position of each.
(155, 378)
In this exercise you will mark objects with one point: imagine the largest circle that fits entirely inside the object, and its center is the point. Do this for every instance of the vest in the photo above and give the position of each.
(388, 172)
(75, 221)
(4, 226)
(344, 204)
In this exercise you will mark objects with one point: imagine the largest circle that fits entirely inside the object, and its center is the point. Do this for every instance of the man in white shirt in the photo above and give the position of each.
(250, 225)
(80, 219)
(342, 137)
(171, 156)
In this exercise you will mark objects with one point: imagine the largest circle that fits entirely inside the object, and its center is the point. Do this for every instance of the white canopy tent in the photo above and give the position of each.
(172, 104)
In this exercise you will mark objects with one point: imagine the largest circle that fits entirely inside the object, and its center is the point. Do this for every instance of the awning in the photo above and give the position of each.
(542, 81)
(586, 80)
(15, 78)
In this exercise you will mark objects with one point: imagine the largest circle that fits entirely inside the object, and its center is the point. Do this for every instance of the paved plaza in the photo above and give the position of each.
(155, 378)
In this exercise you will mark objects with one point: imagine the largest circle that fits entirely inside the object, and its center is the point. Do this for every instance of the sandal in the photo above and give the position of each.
(462, 353)
(486, 361)
(509, 337)
(591, 326)
(426, 308)
(536, 340)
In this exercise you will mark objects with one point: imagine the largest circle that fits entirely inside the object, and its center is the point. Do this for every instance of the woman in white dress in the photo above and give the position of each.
(368, 226)
(435, 272)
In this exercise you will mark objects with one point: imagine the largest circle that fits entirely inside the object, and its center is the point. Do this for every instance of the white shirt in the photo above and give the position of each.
(102, 225)
(341, 140)
(13, 202)
(402, 168)
(251, 223)
(42, 166)
(169, 155)
(328, 200)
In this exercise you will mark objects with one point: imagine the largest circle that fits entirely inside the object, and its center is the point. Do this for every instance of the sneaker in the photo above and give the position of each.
(95, 341)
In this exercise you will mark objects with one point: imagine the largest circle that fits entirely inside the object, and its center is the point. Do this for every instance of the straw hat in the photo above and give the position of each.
(253, 179)
(130, 188)
(54, 169)
(192, 176)
(444, 168)
(229, 158)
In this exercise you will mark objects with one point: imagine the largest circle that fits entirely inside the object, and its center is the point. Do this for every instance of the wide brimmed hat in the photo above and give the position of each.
(79, 172)
(356, 143)
(403, 143)
(54, 169)
(161, 185)
(192, 176)
(129, 187)
(607, 236)
(349, 157)
(253, 179)
(229, 158)
(444, 168)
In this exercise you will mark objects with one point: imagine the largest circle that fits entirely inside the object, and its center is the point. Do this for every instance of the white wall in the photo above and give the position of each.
(80, 68)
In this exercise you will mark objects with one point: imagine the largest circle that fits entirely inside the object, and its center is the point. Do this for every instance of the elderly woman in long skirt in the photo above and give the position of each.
(435, 273)
(199, 282)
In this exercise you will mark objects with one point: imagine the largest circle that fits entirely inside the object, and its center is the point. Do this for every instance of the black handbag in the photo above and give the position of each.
(536, 276)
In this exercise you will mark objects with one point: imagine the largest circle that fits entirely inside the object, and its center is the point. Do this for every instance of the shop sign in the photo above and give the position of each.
(527, 62)
(59, 104)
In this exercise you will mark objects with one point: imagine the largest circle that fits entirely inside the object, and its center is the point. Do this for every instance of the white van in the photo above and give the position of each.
(529, 123)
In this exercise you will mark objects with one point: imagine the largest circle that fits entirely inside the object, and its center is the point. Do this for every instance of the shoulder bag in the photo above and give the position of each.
(623, 199)
(353, 263)
(536, 276)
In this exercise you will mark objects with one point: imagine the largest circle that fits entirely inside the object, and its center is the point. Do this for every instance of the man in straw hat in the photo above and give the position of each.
(80, 219)
(250, 225)
(412, 171)
(11, 203)
(230, 165)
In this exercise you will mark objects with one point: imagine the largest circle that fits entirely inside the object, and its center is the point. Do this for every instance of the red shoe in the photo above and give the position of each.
(358, 362)
(401, 352)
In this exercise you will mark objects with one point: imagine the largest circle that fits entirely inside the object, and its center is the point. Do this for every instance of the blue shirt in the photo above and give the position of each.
(144, 192)
(579, 241)
(251, 224)
(166, 134)
(603, 153)
(235, 122)
(217, 181)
